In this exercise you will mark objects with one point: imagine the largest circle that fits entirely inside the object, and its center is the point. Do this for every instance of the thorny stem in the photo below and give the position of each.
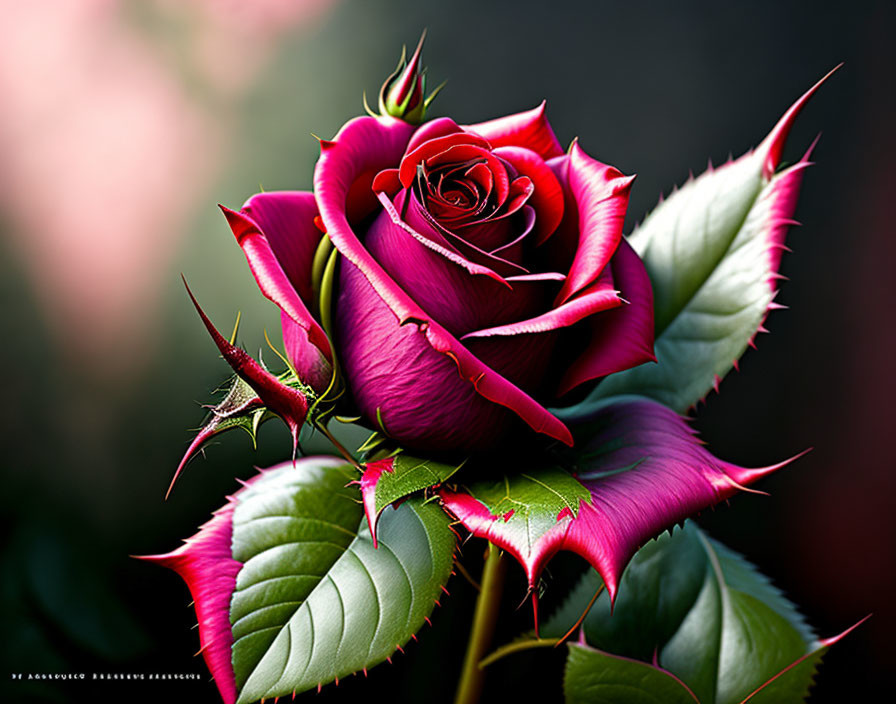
(339, 446)
(484, 618)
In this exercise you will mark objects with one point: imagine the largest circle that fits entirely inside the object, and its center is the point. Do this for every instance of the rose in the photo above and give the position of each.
(482, 274)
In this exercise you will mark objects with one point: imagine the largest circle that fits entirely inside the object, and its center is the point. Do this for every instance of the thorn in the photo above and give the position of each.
(399, 648)
(426, 618)
(364, 670)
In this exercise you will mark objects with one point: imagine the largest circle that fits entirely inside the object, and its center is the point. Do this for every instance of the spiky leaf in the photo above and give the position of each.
(641, 470)
(689, 610)
(393, 478)
(712, 251)
(290, 591)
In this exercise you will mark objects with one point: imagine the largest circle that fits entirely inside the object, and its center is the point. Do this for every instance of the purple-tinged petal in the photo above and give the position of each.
(601, 198)
(288, 403)
(286, 220)
(547, 198)
(596, 298)
(206, 564)
(528, 129)
(429, 243)
(396, 375)
(645, 471)
(312, 356)
(375, 144)
(621, 338)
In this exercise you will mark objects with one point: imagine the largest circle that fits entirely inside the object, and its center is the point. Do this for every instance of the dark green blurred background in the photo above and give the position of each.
(123, 124)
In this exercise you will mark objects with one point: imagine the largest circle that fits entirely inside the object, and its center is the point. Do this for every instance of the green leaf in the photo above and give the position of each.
(595, 677)
(314, 600)
(390, 479)
(699, 611)
(712, 251)
(518, 512)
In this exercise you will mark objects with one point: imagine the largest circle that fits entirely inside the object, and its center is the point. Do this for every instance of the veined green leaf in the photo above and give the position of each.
(314, 600)
(699, 621)
(712, 251)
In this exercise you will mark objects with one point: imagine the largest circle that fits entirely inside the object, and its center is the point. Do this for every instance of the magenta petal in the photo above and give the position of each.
(429, 243)
(286, 220)
(528, 129)
(597, 298)
(621, 338)
(645, 470)
(366, 144)
(601, 196)
(206, 564)
(547, 198)
(311, 356)
(440, 127)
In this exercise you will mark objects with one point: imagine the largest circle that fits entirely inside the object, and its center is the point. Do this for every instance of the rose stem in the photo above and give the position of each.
(339, 446)
(484, 619)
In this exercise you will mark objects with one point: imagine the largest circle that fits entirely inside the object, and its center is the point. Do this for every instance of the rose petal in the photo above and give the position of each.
(440, 127)
(307, 344)
(601, 196)
(547, 198)
(428, 242)
(286, 220)
(365, 143)
(451, 289)
(621, 338)
(596, 298)
(406, 380)
(528, 129)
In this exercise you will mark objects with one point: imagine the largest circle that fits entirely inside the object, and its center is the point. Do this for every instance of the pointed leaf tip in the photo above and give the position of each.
(642, 471)
(773, 144)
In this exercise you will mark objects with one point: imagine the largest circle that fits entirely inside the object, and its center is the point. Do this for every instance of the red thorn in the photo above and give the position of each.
(400, 648)
(445, 590)
(319, 687)
(336, 679)
(535, 610)
(426, 618)
(364, 670)
(389, 660)
(414, 636)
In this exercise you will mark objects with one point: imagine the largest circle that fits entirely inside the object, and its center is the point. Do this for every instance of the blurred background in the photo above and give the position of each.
(123, 123)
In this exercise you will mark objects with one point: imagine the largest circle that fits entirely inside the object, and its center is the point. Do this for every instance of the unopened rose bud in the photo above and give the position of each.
(402, 95)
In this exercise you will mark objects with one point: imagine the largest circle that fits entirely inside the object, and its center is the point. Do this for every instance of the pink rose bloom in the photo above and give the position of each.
(482, 275)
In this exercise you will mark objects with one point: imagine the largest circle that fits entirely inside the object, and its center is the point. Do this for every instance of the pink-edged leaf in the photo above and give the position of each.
(641, 471)
(206, 564)
(393, 478)
(291, 593)
(712, 251)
